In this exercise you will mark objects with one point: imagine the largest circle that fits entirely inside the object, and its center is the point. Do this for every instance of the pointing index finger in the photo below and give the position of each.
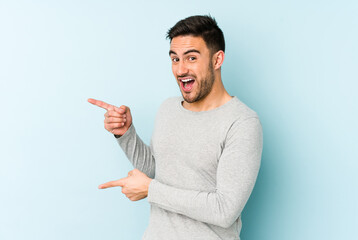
(101, 104)
(116, 183)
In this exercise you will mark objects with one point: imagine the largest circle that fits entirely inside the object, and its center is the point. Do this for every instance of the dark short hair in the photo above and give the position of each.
(200, 26)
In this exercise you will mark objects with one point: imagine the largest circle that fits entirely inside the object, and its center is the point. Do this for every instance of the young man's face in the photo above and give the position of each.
(192, 67)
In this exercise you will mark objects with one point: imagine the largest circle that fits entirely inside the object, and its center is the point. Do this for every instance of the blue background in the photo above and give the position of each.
(294, 62)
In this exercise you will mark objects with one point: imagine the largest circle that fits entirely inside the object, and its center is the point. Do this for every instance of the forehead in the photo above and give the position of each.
(181, 44)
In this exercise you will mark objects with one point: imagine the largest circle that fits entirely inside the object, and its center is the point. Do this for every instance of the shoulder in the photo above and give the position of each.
(242, 119)
(239, 111)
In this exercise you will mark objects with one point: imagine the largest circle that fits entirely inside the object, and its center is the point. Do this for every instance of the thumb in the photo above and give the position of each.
(122, 109)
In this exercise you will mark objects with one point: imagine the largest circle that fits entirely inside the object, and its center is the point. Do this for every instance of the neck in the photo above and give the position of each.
(218, 96)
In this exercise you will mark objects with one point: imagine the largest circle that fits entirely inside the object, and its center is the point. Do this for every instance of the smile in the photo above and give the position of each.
(187, 84)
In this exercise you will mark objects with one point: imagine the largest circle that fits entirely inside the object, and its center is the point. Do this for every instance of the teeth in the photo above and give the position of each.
(186, 80)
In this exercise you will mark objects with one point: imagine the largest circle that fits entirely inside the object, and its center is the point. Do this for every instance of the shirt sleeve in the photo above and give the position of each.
(236, 176)
(138, 153)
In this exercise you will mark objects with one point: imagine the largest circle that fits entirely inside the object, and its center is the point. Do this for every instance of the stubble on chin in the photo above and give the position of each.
(205, 87)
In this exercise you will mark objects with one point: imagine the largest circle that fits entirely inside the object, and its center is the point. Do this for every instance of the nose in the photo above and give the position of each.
(181, 69)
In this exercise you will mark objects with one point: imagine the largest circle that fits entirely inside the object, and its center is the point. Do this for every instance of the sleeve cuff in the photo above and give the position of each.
(130, 132)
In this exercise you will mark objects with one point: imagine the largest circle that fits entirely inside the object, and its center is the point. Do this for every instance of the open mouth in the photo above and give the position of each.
(187, 84)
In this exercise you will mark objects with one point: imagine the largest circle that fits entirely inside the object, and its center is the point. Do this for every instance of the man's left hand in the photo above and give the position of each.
(135, 186)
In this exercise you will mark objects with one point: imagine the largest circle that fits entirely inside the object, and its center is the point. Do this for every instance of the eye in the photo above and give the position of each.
(175, 59)
(192, 58)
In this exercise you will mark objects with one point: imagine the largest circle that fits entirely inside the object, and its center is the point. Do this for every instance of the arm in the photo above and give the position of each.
(236, 175)
(138, 153)
(118, 121)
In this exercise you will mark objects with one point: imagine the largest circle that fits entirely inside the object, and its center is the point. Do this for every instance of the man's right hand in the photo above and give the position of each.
(117, 120)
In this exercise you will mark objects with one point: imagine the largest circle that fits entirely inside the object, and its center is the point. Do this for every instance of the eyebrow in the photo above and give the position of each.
(189, 51)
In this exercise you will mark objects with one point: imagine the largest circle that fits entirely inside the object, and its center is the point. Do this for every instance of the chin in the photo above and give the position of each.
(189, 99)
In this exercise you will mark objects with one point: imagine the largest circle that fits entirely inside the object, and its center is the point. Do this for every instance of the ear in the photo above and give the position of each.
(218, 59)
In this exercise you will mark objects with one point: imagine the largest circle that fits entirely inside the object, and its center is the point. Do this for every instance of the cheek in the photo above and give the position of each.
(200, 69)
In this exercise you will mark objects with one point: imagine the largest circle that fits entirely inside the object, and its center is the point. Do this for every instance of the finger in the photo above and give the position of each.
(122, 109)
(114, 126)
(115, 120)
(117, 183)
(100, 104)
(114, 114)
(125, 191)
(133, 197)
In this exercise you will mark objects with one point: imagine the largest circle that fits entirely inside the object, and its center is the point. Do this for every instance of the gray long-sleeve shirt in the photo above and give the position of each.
(204, 166)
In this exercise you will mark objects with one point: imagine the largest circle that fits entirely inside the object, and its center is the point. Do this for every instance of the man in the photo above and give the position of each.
(205, 152)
